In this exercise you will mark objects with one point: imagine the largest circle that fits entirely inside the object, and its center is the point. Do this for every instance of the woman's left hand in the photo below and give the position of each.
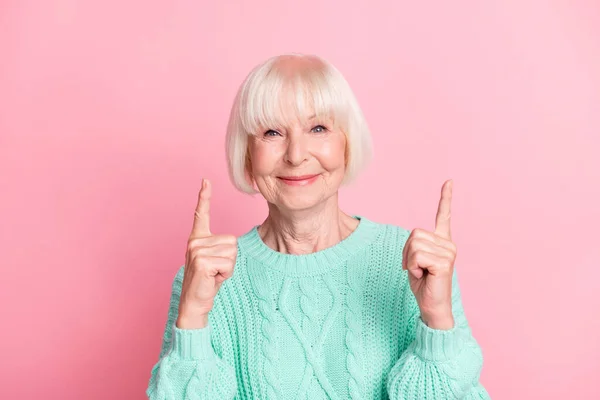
(429, 258)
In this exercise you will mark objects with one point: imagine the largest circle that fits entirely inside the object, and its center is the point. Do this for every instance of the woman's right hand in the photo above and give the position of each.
(209, 261)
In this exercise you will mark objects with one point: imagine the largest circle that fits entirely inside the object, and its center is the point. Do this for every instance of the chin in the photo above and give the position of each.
(297, 203)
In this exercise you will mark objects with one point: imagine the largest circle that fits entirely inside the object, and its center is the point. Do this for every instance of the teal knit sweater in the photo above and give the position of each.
(340, 323)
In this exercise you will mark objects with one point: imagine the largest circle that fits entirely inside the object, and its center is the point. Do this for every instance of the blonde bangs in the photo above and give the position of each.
(272, 99)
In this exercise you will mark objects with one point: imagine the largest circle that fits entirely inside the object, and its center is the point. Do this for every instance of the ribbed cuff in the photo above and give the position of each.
(193, 344)
(437, 344)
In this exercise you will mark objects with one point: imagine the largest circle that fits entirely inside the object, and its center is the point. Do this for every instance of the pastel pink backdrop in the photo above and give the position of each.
(112, 111)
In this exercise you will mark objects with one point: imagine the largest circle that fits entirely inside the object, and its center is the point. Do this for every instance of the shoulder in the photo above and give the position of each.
(384, 256)
(389, 235)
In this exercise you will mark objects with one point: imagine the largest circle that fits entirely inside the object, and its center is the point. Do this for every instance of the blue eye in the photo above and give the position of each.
(322, 129)
(271, 133)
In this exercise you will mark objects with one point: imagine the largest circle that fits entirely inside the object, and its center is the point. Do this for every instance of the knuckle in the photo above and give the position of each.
(418, 232)
(416, 241)
(195, 250)
(193, 242)
(191, 251)
(416, 255)
(189, 246)
(200, 263)
(230, 239)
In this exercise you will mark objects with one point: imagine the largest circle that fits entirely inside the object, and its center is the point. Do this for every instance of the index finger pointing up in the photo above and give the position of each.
(442, 219)
(201, 227)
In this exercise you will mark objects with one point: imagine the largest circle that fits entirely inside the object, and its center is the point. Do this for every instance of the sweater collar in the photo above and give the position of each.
(319, 262)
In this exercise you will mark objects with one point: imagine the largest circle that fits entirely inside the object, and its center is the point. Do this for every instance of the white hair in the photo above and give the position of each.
(263, 101)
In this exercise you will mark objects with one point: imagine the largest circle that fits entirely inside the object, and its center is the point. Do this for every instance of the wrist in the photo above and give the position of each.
(441, 322)
(192, 322)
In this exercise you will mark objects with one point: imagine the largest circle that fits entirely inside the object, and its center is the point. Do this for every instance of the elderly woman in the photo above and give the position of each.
(313, 303)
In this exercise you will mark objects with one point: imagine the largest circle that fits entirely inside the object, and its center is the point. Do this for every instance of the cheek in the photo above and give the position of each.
(332, 154)
(264, 158)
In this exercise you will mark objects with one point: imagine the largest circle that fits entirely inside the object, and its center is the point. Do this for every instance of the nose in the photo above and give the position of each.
(297, 151)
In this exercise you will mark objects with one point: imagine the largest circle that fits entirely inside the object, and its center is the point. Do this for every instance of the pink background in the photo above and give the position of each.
(112, 111)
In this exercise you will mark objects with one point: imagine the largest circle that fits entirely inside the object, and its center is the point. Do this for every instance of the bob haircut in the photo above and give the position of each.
(271, 97)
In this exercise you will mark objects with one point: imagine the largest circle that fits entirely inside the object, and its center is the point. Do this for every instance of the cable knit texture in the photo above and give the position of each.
(340, 323)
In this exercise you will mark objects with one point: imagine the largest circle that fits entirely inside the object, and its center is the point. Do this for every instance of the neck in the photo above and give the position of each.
(306, 231)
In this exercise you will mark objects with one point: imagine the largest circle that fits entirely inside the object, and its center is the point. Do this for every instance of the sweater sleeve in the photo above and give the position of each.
(188, 367)
(438, 364)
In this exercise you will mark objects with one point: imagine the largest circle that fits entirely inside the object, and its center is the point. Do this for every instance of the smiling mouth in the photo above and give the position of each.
(298, 180)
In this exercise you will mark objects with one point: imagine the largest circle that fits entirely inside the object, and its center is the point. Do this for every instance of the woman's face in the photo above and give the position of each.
(299, 166)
